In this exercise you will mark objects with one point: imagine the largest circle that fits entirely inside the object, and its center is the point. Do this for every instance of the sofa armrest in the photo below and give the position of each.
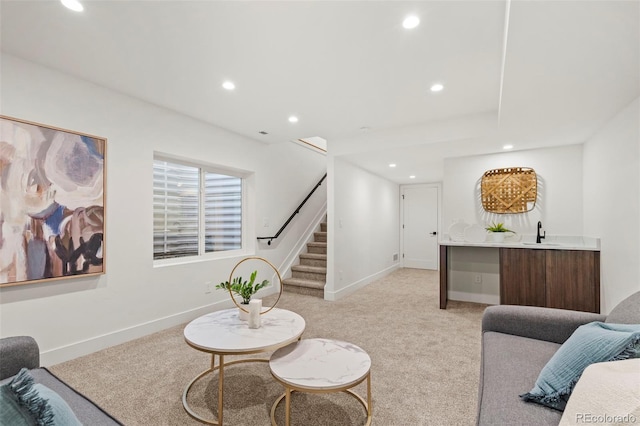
(18, 352)
(548, 324)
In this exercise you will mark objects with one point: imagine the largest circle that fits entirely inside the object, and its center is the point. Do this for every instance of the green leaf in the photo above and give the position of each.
(244, 289)
(498, 227)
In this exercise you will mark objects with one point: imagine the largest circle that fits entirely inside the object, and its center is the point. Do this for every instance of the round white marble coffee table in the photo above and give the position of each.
(320, 366)
(223, 333)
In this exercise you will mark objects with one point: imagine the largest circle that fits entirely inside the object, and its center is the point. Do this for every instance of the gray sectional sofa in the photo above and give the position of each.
(517, 342)
(22, 352)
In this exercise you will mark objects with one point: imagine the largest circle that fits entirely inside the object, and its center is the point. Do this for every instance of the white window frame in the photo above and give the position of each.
(247, 213)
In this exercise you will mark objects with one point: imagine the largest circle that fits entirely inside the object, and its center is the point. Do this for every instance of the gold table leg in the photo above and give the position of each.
(212, 369)
(288, 391)
(288, 407)
(220, 387)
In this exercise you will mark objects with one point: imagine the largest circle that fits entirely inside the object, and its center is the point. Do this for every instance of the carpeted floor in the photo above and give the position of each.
(425, 364)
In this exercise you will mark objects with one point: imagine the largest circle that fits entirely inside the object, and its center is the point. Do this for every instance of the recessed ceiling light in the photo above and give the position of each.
(411, 22)
(293, 119)
(437, 87)
(508, 146)
(412, 177)
(73, 5)
(229, 85)
(392, 165)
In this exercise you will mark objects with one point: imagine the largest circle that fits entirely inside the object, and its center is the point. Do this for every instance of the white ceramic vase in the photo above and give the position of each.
(244, 316)
(498, 237)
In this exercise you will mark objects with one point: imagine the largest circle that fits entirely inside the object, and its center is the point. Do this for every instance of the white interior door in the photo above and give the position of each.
(420, 226)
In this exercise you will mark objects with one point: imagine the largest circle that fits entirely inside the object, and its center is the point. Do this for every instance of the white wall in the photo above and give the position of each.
(558, 206)
(612, 203)
(73, 317)
(559, 203)
(363, 225)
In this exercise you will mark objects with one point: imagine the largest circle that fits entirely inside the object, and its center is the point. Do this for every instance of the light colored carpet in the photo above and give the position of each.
(425, 364)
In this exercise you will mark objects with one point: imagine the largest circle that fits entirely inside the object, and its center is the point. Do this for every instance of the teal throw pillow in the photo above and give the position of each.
(25, 403)
(589, 344)
(63, 415)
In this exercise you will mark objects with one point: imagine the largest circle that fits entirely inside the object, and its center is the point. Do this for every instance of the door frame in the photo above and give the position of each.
(438, 186)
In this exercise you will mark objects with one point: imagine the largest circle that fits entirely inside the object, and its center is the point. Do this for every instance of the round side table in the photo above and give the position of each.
(320, 366)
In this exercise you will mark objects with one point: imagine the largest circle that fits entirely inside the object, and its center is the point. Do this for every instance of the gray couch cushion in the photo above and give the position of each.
(549, 324)
(18, 352)
(510, 367)
(626, 312)
(85, 410)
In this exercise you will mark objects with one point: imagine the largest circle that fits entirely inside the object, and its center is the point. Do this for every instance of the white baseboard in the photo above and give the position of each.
(94, 344)
(350, 288)
(487, 299)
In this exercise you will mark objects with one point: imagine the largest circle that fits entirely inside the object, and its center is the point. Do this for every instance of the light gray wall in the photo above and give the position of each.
(364, 228)
(559, 202)
(612, 202)
(73, 317)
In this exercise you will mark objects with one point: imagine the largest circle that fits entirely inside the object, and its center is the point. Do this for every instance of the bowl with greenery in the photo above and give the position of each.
(498, 231)
(245, 289)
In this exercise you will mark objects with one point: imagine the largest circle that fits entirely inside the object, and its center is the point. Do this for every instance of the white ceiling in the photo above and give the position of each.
(530, 73)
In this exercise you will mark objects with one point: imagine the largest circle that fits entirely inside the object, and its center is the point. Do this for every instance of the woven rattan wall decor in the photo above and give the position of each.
(509, 190)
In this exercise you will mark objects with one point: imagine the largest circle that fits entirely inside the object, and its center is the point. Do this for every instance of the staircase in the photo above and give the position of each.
(310, 276)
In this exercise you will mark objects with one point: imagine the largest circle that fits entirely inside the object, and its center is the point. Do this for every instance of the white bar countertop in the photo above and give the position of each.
(555, 242)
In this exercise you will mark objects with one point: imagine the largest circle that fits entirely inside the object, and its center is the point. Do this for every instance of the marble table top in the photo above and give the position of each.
(223, 332)
(320, 364)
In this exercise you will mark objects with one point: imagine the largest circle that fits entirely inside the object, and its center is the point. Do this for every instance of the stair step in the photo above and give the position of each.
(320, 248)
(306, 272)
(301, 282)
(306, 268)
(320, 237)
(301, 286)
(323, 226)
(313, 259)
(318, 256)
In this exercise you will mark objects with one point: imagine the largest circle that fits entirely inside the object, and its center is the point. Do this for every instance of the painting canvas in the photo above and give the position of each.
(52, 202)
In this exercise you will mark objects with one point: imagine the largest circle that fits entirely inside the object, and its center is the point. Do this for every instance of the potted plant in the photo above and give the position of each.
(498, 231)
(244, 289)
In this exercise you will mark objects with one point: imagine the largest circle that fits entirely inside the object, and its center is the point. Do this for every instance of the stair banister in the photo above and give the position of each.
(295, 212)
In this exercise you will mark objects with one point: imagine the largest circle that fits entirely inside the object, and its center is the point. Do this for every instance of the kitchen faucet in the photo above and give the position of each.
(539, 237)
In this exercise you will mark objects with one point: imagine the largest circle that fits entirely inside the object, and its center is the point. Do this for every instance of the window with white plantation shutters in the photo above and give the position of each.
(222, 212)
(195, 210)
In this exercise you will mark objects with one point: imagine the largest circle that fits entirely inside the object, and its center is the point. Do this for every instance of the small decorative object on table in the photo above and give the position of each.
(456, 230)
(247, 289)
(255, 306)
(498, 232)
